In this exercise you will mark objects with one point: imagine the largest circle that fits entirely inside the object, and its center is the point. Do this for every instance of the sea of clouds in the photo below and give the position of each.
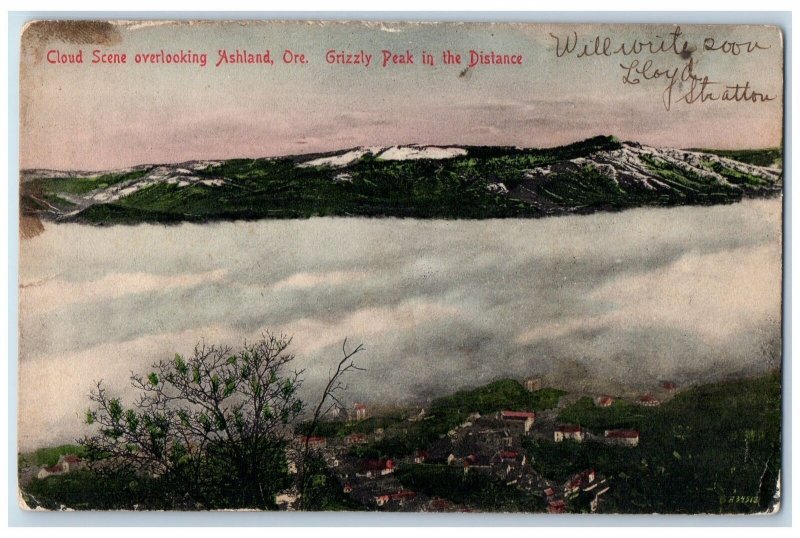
(611, 302)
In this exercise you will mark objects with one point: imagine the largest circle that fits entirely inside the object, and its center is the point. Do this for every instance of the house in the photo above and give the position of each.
(588, 477)
(72, 462)
(604, 401)
(399, 497)
(348, 487)
(51, 470)
(495, 434)
(524, 418)
(557, 507)
(509, 454)
(532, 384)
(403, 495)
(573, 485)
(548, 492)
(585, 480)
(569, 432)
(361, 411)
(440, 505)
(648, 401)
(377, 467)
(594, 504)
(507, 464)
(355, 439)
(314, 442)
(476, 461)
(623, 437)
(66, 463)
(669, 386)
(418, 416)
(420, 456)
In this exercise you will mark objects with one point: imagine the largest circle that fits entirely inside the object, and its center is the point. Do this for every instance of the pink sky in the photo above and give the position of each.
(93, 117)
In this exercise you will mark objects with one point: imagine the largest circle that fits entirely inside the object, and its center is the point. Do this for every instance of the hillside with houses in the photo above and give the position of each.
(487, 451)
(516, 446)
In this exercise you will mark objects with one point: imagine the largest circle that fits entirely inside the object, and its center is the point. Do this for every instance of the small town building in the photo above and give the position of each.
(476, 461)
(314, 442)
(509, 459)
(509, 454)
(360, 410)
(573, 485)
(648, 401)
(557, 506)
(585, 480)
(523, 418)
(403, 495)
(669, 386)
(377, 467)
(440, 505)
(568, 432)
(588, 476)
(415, 417)
(50, 470)
(532, 384)
(623, 437)
(604, 401)
(66, 463)
(355, 439)
(399, 497)
(594, 504)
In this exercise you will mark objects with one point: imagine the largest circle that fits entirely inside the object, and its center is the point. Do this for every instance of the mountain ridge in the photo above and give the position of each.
(412, 180)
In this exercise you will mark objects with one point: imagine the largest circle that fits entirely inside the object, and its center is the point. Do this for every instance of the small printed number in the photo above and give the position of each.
(739, 499)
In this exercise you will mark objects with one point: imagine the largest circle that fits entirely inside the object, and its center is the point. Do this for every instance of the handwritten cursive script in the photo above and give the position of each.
(654, 59)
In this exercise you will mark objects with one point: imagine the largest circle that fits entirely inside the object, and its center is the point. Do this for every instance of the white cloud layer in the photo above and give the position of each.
(609, 302)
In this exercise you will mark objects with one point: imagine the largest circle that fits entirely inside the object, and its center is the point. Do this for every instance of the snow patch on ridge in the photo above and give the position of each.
(337, 161)
(182, 177)
(628, 165)
(408, 153)
(393, 153)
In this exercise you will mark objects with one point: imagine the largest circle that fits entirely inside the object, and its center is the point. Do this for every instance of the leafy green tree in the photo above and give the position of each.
(212, 427)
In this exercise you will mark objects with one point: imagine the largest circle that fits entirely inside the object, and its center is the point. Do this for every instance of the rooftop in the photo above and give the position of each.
(569, 428)
(624, 434)
(517, 414)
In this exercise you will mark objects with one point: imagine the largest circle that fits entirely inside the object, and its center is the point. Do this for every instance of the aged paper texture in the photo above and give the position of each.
(400, 267)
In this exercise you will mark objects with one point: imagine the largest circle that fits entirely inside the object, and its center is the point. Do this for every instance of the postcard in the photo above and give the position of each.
(421, 267)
